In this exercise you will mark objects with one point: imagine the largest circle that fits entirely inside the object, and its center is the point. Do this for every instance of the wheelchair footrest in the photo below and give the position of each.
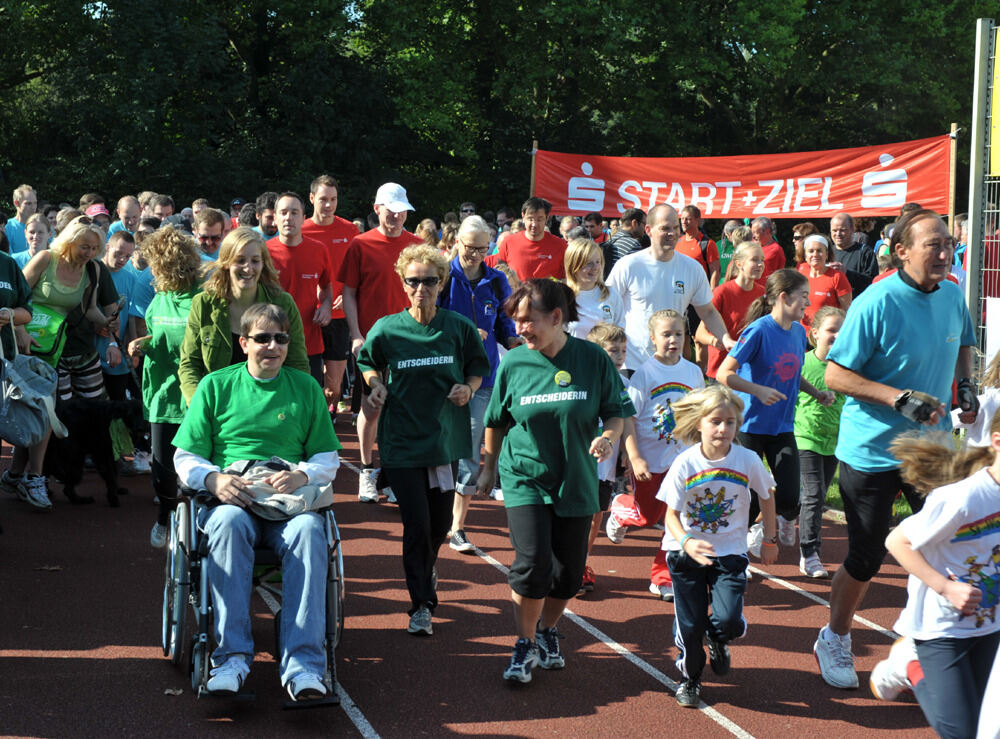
(243, 696)
(327, 701)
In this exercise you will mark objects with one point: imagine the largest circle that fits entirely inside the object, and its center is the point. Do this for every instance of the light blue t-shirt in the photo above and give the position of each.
(115, 228)
(125, 283)
(143, 291)
(900, 336)
(15, 235)
(22, 258)
(769, 355)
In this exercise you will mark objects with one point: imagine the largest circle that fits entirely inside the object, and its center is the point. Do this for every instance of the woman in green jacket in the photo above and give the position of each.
(243, 275)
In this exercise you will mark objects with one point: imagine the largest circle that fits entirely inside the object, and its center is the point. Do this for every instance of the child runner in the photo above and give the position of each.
(613, 341)
(707, 493)
(951, 549)
(664, 378)
(769, 358)
(816, 428)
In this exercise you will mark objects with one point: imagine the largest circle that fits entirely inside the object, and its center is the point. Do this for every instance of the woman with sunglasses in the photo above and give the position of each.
(423, 366)
(242, 276)
(477, 292)
(175, 263)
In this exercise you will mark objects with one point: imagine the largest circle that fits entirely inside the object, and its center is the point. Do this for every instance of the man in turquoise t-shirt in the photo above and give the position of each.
(903, 342)
(253, 412)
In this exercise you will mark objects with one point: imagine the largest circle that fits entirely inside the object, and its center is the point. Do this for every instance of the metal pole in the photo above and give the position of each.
(951, 177)
(534, 156)
(977, 171)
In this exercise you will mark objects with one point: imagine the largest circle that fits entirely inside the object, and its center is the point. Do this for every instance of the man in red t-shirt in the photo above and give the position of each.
(304, 273)
(595, 225)
(372, 289)
(335, 233)
(690, 244)
(533, 252)
(774, 256)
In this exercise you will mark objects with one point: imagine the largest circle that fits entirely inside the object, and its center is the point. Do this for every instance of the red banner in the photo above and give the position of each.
(869, 180)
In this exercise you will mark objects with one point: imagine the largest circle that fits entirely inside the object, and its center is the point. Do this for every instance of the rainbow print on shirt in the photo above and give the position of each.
(663, 414)
(710, 510)
(668, 387)
(717, 474)
(978, 529)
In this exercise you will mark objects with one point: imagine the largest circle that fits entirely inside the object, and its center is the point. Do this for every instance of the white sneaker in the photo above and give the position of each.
(366, 487)
(786, 532)
(141, 463)
(663, 592)
(836, 663)
(306, 686)
(227, 678)
(615, 529)
(811, 566)
(38, 492)
(497, 494)
(888, 680)
(158, 536)
(755, 537)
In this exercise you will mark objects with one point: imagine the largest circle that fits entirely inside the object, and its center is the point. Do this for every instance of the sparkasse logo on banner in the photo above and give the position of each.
(870, 180)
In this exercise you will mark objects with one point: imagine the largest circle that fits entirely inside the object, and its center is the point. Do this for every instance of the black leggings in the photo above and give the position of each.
(550, 551)
(426, 514)
(782, 455)
(164, 477)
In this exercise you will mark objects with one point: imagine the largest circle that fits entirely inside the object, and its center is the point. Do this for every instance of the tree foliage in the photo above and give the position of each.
(227, 98)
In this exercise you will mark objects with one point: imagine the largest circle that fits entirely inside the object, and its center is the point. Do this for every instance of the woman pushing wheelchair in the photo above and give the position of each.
(259, 438)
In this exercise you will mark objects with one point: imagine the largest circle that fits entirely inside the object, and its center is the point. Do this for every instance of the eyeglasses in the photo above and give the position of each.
(797, 237)
(265, 338)
(468, 210)
(414, 282)
(477, 249)
(213, 239)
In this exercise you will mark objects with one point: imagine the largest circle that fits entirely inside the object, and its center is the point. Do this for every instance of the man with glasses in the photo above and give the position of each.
(533, 252)
(304, 272)
(334, 233)
(208, 227)
(466, 209)
(860, 262)
(373, 290)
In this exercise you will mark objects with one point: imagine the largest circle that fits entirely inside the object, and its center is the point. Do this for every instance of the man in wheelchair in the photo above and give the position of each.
(259, 438)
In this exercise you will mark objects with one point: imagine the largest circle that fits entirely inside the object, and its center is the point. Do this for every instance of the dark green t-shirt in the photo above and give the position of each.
(553, 408)
(419, 426)
(235, 417)
(14, 293)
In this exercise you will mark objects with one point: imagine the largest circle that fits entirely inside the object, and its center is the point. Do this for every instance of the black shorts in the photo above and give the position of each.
(336, 340)
(605, 492)
(693, 321)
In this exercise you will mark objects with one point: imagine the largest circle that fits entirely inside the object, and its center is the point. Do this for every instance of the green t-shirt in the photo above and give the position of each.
(166, 321)
(726, 250)
(234, 416)
(552, 408)
(419, 426)
(816, 426)
(14, 293)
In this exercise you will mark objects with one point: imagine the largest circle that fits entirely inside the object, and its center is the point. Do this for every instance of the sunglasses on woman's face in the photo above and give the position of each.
(265, 338)
(415, 282)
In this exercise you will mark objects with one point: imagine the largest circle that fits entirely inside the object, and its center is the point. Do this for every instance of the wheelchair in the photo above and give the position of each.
(186, 586)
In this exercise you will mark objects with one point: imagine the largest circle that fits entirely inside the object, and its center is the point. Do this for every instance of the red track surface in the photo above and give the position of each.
(80, 593)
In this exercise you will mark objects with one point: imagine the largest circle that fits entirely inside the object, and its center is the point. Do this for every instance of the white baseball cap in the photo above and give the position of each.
(393, 197)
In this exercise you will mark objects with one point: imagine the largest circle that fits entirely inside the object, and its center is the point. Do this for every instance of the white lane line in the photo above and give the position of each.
(614, 646)
(347, 703)
(813, 597)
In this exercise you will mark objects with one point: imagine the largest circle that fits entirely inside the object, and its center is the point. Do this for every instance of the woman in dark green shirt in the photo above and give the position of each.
(423, 365)
(549, 395)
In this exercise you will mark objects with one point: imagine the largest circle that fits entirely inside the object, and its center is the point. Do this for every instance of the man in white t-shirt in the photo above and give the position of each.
(658, 278)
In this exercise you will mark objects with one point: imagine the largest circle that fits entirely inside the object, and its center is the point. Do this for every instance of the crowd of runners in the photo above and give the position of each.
(593, 376)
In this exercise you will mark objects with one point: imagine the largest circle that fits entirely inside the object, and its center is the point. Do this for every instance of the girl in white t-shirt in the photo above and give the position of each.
(707, 492)
(978, 433)
(951, 549)
(595, 301)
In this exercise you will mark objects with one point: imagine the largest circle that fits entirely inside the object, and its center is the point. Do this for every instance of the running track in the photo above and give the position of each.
(80, 628)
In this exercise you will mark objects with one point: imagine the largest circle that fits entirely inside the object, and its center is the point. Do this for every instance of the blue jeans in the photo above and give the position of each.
(300, 542)
(468, 469)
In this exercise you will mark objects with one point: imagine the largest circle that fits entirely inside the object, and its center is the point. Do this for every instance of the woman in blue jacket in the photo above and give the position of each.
(477, 292)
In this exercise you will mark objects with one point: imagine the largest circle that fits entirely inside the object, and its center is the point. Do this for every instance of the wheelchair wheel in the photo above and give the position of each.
(177, 584)
(199, 664)
(335, 585)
